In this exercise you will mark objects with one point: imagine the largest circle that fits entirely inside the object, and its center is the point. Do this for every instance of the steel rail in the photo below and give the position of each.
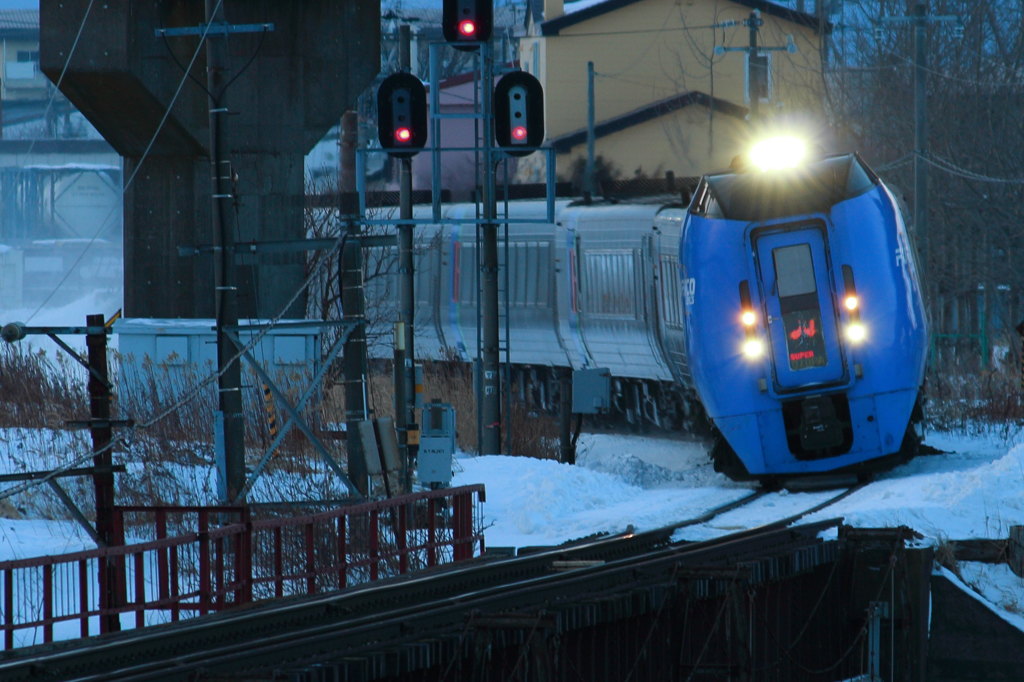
(340, 637)
(232, 633)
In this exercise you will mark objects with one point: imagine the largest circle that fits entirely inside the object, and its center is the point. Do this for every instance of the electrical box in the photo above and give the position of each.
(591, 391)
(437, 445)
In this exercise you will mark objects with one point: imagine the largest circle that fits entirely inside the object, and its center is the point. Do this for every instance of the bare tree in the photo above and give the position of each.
(974, 153)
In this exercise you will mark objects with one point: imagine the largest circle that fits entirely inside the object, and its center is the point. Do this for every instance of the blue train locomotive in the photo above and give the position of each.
(782, 304)
(805, 329)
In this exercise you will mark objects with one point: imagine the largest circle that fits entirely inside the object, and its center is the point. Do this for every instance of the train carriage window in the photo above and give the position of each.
(609, 286)
(427, 263)
(538, 291)
(798, 302)
(671, 292)
(467, 274)
(527, 275)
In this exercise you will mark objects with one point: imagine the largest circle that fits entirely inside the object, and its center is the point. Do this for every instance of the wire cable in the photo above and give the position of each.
(953, 169)
(138, 166)
(186, 397)
(63, 71)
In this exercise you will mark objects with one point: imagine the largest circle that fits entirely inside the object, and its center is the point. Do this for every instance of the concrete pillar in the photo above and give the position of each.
(290, 85)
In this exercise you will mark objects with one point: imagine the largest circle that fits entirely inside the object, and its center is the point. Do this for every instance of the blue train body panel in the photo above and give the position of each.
(817, 399)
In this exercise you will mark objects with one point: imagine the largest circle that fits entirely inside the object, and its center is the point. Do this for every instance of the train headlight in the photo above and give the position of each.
(851, 302)
(778, 153)
(748, 318)
(753, 348)
(856, 332)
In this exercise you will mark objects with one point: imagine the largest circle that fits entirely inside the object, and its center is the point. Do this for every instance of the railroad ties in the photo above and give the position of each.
(779, 603)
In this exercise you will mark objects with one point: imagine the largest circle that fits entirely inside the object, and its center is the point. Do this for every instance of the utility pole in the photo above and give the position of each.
(753, 51)
(490, 402)
(588, 181)
(230, 425)
(754, 23)
(103, 480)
(405, 362)
(353, 304)
(920, 19)
(921, 129)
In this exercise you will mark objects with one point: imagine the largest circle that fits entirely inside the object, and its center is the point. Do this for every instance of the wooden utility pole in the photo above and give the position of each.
(230, 425)
(353, 304)
(102, 461)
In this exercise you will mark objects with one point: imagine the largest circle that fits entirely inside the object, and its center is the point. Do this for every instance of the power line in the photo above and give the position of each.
(63, 71)
(138, 166)
(953, 169)
(189, 395)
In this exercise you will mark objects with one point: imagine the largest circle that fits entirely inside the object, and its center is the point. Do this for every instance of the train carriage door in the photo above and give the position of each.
(796, 289)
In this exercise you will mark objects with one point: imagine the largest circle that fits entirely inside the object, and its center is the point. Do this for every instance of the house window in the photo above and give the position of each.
(759, 81)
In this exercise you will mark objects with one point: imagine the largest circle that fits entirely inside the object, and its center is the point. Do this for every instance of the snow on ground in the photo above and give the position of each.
(976, 490)
(973, 491)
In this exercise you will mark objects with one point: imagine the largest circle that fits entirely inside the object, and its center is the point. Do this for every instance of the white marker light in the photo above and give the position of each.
(851, 302)
(748, 318)
(753, 348)
(856, 332)
(778, 153)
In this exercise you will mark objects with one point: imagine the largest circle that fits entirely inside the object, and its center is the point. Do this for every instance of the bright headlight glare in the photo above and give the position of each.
(778, 153)
(748, 318)
(851, 302)
(753, 348)
(856, 332)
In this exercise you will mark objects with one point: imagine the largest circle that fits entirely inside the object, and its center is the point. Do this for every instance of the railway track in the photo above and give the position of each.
(420, 616)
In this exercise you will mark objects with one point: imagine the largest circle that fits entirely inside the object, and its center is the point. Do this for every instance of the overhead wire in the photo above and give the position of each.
(138, 165)
(32, 145)
(953, 169)
(197, 389)
(187, 396)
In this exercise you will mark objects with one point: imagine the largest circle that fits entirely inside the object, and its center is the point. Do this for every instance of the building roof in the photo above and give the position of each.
(564, 143)
(19, 21)
(589, 9)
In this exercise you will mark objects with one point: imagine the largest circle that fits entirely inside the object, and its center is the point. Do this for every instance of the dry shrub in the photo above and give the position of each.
(981, 401)
(529, 433)
(39, 392)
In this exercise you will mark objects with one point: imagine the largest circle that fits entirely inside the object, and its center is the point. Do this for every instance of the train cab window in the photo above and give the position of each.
(762, 196)
(798, 302)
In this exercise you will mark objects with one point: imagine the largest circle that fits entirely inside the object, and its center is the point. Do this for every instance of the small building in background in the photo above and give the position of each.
(164, 359)
(19, 58)
(675, 86)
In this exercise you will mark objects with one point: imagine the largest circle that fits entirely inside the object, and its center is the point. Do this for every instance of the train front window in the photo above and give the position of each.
(798, 302)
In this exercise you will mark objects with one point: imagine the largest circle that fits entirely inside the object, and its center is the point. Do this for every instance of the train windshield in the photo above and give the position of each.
(762, 196)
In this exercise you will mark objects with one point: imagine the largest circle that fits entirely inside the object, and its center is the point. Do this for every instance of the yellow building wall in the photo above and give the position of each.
(687, 142)
(655, 49)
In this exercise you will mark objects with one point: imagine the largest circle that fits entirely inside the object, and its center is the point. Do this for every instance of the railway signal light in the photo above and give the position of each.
(518, 113)
(402, 114)
(467, 21)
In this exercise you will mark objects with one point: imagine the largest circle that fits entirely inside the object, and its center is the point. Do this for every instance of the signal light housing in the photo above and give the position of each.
(467, 21)
(518, 113)
(402, 115)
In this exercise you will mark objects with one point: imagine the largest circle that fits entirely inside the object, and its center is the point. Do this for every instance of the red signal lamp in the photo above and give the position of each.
(519, 133)
(403, 135)
(467, 28)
